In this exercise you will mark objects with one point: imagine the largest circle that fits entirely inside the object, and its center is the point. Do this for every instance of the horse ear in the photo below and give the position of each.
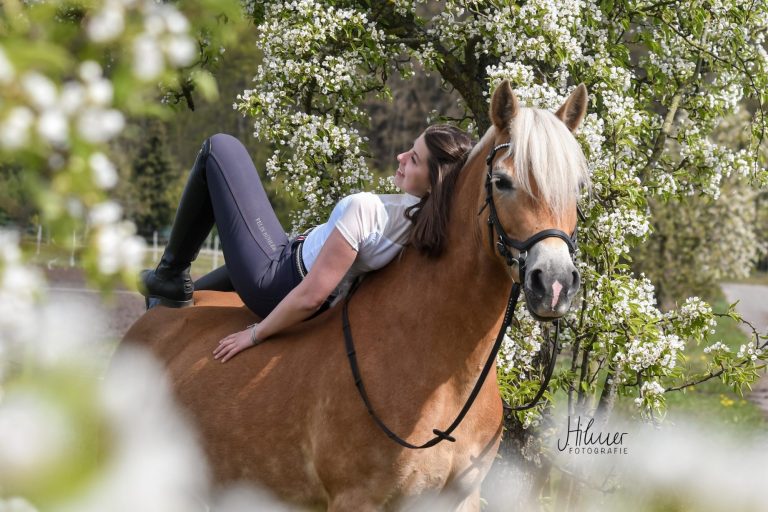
(504, 105)
(575, 108)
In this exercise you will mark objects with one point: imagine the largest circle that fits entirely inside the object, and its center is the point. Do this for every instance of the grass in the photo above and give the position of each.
(755, 278)
(713, 401)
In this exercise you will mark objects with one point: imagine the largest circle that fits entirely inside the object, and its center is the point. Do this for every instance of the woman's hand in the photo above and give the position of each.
(235, 343)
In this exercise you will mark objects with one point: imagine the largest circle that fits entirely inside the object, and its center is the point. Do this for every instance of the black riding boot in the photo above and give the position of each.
(170, 283)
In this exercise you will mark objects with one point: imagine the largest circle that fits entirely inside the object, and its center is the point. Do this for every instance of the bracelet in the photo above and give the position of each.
(254, 341)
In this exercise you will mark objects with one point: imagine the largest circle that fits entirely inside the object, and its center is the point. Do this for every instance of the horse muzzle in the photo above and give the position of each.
(550, 286)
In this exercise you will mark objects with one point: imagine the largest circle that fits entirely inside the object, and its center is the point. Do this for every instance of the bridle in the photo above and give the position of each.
(503, 243)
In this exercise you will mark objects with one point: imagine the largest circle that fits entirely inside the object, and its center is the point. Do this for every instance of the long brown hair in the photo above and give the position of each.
(448, 148)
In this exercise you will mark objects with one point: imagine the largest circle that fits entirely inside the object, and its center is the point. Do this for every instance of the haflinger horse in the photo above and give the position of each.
(287, 415)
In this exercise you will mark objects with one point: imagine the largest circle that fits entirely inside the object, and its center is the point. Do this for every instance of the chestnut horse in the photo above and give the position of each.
(286, 414)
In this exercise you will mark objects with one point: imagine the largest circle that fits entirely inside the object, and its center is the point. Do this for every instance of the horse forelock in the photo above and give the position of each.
(544, 153)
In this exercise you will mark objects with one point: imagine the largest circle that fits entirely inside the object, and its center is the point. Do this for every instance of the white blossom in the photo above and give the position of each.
(34, 432)
(7, 72)
(89, 71)
(107, 212)
(72, 98)
(100, 92)
(118, 248)
(718, 347)
(52, 125)
(104, 171)
(16, 504)
(98, 125)
(20, 290)
(147, 57)
(14, 129)
(40, 90)
(180, 49)
(108, 23)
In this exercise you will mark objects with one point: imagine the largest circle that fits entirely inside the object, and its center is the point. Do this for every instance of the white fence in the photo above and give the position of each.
(211, 247)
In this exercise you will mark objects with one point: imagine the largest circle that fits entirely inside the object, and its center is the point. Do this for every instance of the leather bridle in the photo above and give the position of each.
(503, 243)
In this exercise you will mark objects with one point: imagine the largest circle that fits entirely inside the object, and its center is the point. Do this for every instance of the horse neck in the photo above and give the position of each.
(464, 292)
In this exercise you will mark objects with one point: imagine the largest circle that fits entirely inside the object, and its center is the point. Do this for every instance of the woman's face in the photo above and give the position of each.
(412, 174)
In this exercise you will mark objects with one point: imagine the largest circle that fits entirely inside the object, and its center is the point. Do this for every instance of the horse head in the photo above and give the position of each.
(535, 171)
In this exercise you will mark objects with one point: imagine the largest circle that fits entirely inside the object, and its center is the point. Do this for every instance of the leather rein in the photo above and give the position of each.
(503, 245)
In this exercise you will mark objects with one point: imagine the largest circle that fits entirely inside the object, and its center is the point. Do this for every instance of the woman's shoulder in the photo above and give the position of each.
(373, 199)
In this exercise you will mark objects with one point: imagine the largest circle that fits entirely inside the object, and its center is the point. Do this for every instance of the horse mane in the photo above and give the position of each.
(544, 147)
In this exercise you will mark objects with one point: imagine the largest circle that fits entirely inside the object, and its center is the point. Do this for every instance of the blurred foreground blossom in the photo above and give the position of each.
(72, 439)
(20, 291)
(82, 433)
(119, 249)
(687, 466)
(154, 463)
(16, 504)
(6, 68)
(104, 171)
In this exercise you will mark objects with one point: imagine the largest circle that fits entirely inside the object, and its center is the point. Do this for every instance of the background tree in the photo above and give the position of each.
(154, 183)
(693, 236)
(17, 205)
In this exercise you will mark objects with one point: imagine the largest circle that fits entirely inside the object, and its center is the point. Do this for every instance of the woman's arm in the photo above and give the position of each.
(333, 262)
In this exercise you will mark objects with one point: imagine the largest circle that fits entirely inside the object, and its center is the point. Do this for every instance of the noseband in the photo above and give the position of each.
(503, 244)
(503, 241)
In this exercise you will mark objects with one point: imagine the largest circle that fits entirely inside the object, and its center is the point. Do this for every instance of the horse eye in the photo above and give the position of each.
(502, 182)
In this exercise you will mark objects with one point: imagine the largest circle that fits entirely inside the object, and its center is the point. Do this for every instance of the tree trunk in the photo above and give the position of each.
(518, 476)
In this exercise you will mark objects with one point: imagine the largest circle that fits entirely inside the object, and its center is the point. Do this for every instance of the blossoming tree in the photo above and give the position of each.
(660, 81)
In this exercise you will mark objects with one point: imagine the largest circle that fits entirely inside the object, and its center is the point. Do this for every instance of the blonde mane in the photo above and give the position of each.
(545, 152)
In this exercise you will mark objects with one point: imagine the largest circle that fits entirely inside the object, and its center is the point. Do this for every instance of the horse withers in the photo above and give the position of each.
(286, 415)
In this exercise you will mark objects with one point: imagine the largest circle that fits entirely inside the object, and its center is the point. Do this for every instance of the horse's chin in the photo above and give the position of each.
(541, 312)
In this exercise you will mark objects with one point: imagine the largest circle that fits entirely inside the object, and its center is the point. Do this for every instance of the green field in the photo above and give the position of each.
(713, 400)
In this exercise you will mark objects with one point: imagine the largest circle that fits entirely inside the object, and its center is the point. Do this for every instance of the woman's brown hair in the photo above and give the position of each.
(448, 148)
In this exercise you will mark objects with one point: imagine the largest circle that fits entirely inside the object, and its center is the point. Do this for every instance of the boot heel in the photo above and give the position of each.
(154, 301)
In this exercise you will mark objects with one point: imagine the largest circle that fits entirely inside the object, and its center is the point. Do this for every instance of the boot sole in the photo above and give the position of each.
(154, 301)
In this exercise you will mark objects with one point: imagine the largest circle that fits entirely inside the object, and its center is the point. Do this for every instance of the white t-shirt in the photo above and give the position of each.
(374, 225)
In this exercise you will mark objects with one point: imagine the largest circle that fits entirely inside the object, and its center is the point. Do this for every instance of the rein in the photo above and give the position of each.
(503, 244)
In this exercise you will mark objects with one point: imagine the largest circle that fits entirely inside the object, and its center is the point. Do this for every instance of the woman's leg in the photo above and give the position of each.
(170, 284)
(255, 245)
(217, 280)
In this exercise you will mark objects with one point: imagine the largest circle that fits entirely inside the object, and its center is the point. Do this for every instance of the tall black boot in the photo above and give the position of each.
(170, 283)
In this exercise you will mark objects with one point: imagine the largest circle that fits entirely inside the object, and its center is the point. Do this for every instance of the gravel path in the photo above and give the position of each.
(124, 307)
(753, 307)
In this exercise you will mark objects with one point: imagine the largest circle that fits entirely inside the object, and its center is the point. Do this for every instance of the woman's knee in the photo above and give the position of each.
(229, 154)
(224, 142)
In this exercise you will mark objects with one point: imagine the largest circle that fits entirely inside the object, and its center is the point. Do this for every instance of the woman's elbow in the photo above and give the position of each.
(311, 301)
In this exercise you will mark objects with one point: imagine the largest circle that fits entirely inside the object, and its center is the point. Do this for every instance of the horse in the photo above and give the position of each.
(286, 414)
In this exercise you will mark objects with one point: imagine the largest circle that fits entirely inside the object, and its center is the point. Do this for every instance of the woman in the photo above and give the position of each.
(286, 281)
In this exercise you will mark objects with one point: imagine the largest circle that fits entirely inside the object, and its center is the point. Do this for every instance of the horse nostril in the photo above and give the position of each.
(576, 280)
(537, 282)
